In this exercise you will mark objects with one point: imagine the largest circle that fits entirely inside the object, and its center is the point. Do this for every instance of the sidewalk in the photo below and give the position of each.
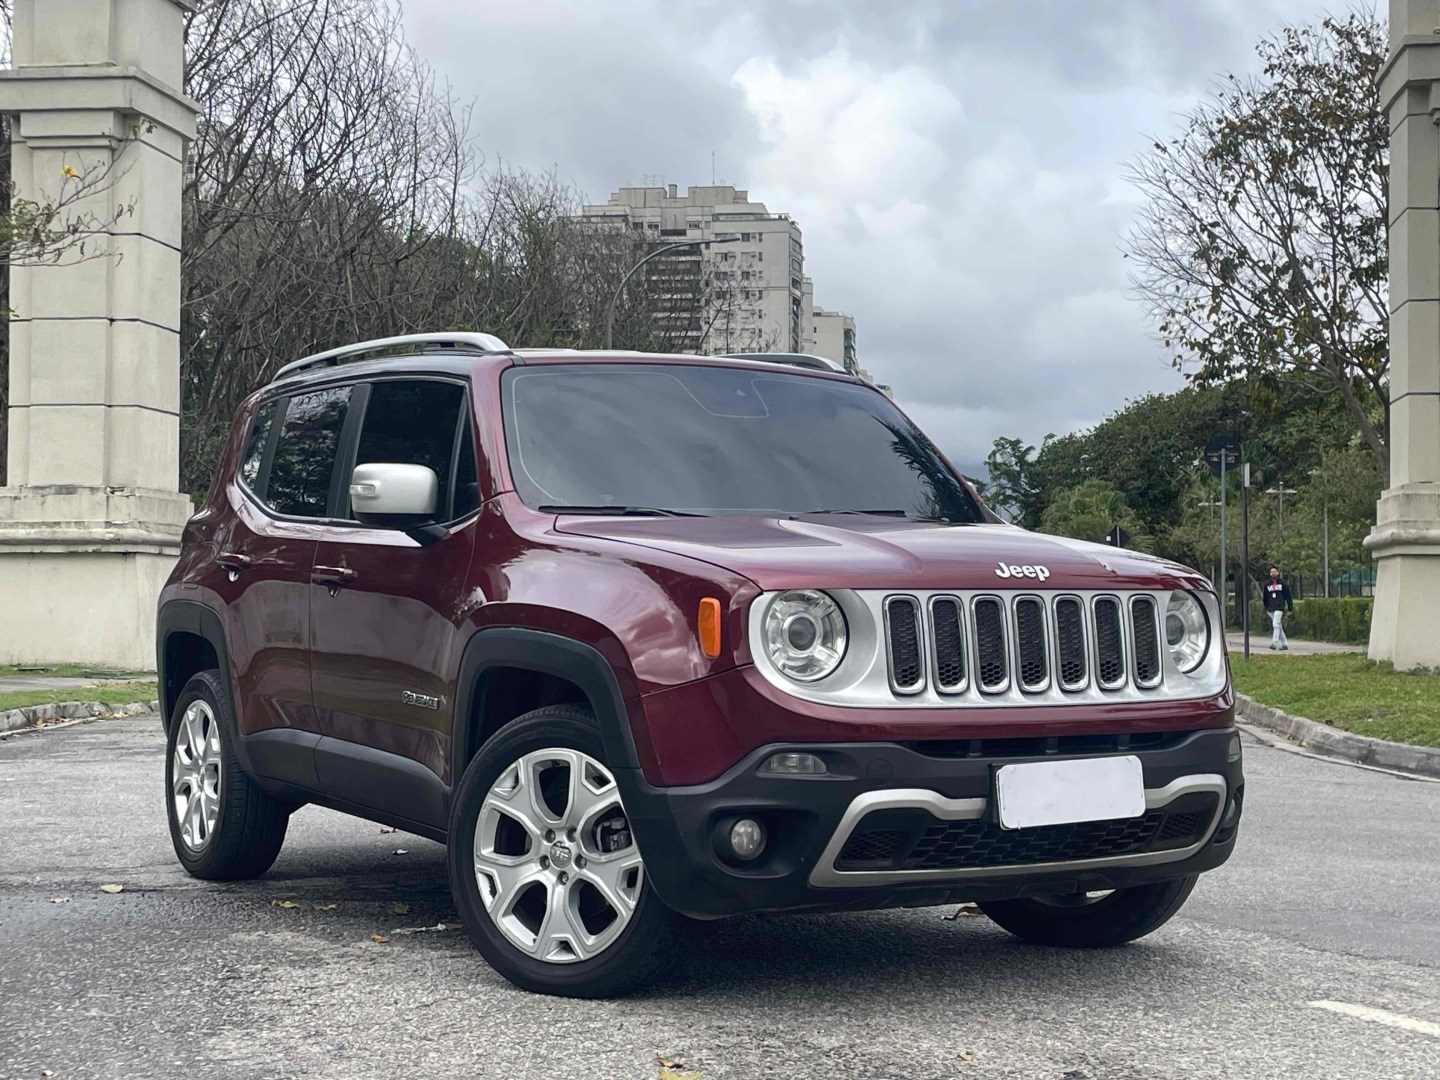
(53, 682)
(1260, 642)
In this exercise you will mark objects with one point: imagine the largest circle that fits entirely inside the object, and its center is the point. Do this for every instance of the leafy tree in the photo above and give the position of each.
(1089, 511)
(1261, 250)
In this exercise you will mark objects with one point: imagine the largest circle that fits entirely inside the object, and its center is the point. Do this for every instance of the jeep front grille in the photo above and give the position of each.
(902, 636)
(997, 646)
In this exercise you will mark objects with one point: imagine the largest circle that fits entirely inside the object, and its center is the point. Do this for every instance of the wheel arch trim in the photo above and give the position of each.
(549, 654)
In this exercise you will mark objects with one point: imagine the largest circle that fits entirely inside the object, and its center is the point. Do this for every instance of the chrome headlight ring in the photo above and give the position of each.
(804, 634)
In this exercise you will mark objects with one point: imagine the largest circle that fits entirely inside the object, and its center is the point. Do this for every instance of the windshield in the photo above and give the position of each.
(719, 441)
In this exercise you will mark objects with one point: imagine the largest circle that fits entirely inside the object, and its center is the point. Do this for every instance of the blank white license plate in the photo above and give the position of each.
(1062, 792)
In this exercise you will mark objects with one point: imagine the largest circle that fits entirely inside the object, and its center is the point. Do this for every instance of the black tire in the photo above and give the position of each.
(249, 825)
(1074, 923)
(643, 949)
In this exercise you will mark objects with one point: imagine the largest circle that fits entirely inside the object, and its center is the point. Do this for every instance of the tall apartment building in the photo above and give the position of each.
(758, 280)
(833, 336)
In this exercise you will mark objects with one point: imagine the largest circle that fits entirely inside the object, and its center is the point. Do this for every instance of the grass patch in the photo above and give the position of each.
(1346, 691)
(69, 671)
(112, 694)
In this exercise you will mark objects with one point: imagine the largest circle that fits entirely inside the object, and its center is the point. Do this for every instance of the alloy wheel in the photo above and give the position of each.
(196, 775)
(555, 861)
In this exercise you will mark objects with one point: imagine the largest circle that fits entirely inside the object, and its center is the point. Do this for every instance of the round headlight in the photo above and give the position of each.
(804, 634)
(1187, 630)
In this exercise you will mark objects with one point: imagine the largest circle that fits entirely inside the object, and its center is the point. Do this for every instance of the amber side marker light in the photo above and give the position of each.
(709, 627)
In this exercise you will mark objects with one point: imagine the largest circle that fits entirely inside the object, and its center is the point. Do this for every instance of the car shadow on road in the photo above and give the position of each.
(784, 956)
(860, 953)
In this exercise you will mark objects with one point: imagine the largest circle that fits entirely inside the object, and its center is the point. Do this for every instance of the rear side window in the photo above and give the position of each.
(417, 422)
(304, 462)
(255, 446)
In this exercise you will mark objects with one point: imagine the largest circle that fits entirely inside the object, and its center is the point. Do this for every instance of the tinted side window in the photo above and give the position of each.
(255, 446)
(305, 453)
(467, 483)
(412, 422)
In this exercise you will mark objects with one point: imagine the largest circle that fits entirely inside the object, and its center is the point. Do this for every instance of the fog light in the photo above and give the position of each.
(1232, 752)
(747, 838)
(788, 764)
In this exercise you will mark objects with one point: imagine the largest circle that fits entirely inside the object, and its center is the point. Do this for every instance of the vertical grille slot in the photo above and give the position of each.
(948, 644)
(1146, 629)
(993, 668)
(1031, 653)
(902, 639)
(1070, 640)
(1109, 643)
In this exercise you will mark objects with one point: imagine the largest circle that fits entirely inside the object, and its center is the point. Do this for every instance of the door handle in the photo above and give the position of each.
(234, 564)
(332, 577)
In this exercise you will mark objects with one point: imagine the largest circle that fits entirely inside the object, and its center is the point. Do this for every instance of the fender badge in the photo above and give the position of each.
(425, 701)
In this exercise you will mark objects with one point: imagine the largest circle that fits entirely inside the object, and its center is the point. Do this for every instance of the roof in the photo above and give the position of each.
(458, 347)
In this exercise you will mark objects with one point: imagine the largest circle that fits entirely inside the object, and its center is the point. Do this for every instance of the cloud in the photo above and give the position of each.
(956, 166)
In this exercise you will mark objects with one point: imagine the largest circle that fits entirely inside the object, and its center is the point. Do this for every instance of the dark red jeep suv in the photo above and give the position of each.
(646, 639)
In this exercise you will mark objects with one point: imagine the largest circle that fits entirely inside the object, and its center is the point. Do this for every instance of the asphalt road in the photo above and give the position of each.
(1333, 896)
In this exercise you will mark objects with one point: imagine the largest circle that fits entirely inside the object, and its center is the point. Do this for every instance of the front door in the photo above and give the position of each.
(384, 612)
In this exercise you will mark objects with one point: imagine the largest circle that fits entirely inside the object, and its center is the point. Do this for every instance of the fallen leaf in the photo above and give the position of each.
(284, 903)
(324, 907)
(61, 900)
(386, 829)
(112, 888)
(379, 939)
(401, 851)
(451, 925)
(398, 908)
(966, 1055)
(47, 1072)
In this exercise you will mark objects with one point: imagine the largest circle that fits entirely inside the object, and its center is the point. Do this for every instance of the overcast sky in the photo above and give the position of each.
(956, 166)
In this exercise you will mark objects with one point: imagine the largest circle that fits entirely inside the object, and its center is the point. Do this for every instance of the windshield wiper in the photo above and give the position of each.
(872, 513)
(623, 511)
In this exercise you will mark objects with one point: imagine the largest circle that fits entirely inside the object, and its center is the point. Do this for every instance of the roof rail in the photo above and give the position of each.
(800, 360)
(347, 353)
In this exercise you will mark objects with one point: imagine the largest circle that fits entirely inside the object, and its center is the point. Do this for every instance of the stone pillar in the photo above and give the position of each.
(91, 518)
(1406, 538)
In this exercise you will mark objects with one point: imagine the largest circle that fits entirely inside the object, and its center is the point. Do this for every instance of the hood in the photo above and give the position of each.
(882, 553)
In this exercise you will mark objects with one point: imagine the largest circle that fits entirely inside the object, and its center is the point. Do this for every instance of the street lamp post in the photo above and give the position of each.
(1282, 491)
(1324, 528)
(620, 289)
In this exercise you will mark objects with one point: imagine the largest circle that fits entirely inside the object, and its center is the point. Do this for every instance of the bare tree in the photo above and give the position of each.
(1261, 250)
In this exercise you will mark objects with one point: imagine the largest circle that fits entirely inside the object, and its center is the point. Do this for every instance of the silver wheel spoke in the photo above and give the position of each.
(542, 878)
(196, 774)
(613, 878)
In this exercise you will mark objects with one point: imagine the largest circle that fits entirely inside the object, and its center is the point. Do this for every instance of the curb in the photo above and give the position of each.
(38, 716)
(1424, 760)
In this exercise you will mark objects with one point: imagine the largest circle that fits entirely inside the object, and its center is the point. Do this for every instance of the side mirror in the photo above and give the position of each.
(401, 496)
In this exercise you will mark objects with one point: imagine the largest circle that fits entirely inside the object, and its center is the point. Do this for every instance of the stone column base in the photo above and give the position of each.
(81, 570)
(1405, 543)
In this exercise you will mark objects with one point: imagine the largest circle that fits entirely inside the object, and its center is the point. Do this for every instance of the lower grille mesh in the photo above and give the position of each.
(881, 841)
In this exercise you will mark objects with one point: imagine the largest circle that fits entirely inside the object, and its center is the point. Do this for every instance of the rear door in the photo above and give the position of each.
(281, 498)
(385, 610)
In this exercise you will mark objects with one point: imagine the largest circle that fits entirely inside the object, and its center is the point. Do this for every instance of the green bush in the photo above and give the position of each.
(1344, 620)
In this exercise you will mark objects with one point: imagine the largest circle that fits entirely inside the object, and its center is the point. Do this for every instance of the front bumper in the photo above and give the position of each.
(936, 839)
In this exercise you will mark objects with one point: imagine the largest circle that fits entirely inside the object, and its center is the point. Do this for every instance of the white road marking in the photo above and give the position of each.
(1379, 1016)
